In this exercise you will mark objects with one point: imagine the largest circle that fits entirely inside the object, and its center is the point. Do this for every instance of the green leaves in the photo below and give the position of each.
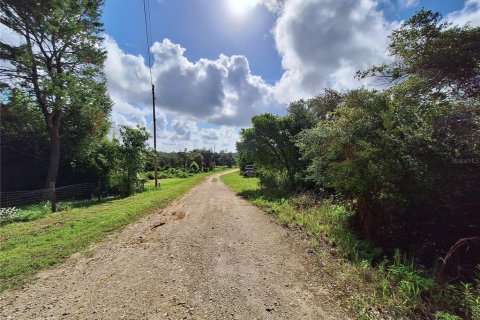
(442, 59)
(133, 157)
(270, 144)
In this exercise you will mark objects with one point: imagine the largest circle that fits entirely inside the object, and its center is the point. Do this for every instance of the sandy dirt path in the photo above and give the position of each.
(209, 255)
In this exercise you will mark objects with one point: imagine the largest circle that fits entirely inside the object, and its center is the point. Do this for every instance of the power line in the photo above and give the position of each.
(149, 23)
(148, 32)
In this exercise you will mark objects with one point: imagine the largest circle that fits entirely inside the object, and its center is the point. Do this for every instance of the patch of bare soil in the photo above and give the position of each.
(210, 255)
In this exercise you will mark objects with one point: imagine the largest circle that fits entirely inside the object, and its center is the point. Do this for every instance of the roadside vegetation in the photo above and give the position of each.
(390, 177)
(392, 287)
(50, 238)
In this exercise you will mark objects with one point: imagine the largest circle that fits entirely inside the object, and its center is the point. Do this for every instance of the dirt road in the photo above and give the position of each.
(209, 255)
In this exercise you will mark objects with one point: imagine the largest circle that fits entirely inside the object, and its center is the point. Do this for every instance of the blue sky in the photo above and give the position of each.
(202, 27)
(218, 62)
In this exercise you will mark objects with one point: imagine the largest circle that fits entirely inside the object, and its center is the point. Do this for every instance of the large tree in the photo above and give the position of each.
(58, 62)
(436, 57)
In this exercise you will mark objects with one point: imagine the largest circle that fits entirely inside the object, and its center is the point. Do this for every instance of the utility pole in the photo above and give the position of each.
(154, 134)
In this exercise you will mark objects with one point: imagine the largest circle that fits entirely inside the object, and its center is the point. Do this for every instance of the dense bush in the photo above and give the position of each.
(270, 144)
(405, 159)
(132, 158)
(166, 173)
(119, 166)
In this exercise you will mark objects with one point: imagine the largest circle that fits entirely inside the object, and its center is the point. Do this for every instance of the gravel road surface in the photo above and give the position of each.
(209, 255)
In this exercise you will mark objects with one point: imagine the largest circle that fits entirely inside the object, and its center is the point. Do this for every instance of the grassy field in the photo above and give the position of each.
(391, 287)
(28, 247)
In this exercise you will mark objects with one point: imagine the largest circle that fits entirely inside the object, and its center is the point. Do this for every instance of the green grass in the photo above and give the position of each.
(28, 247)
(36, 211)
(394, 286)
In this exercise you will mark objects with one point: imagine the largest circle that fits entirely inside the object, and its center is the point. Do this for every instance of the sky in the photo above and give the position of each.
(216, 63)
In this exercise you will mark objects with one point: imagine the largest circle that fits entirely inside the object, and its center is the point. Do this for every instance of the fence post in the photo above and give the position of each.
(53, 199)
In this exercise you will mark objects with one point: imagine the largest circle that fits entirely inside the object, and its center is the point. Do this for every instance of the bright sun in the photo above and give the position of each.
(240, 8)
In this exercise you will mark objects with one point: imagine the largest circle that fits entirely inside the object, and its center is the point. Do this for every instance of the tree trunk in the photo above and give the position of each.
(291, 178)
(54, 159)
(365, 221)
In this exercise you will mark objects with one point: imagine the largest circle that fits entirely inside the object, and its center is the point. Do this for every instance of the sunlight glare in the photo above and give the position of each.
(240, 8)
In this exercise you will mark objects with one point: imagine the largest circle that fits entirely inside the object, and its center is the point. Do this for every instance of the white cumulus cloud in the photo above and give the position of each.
(469, 14)
(221, 91)
(323, 43)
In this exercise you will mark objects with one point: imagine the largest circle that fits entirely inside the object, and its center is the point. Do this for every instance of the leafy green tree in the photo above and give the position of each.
(347, 154)
(270, 144)
(25, 144)
(82, 131)
(59, 63)
(133, 153)
(433, 125)
(196, 157)
(439, 57)
(208, 159)
(183, 157)
(225, 158)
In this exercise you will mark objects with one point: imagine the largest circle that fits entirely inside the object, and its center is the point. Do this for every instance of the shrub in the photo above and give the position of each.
(151, 175)
(130, 163)
(440, 315)
(471, 294)
(393, 160)
(194, 167)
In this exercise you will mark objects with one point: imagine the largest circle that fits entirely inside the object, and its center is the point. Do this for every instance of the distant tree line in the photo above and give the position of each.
(205, 159)
(406, 160)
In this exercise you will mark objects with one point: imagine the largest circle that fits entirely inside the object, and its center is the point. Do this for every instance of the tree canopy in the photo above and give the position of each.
(437, 57)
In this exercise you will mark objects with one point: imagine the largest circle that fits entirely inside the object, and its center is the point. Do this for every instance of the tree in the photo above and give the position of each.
(133, 153)
(83, 129)
(197, 158)
(433, 122)
(270, 143)
(207, 158)
(440, 58)
(347, 154)
(225, 158)
(59, 62)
